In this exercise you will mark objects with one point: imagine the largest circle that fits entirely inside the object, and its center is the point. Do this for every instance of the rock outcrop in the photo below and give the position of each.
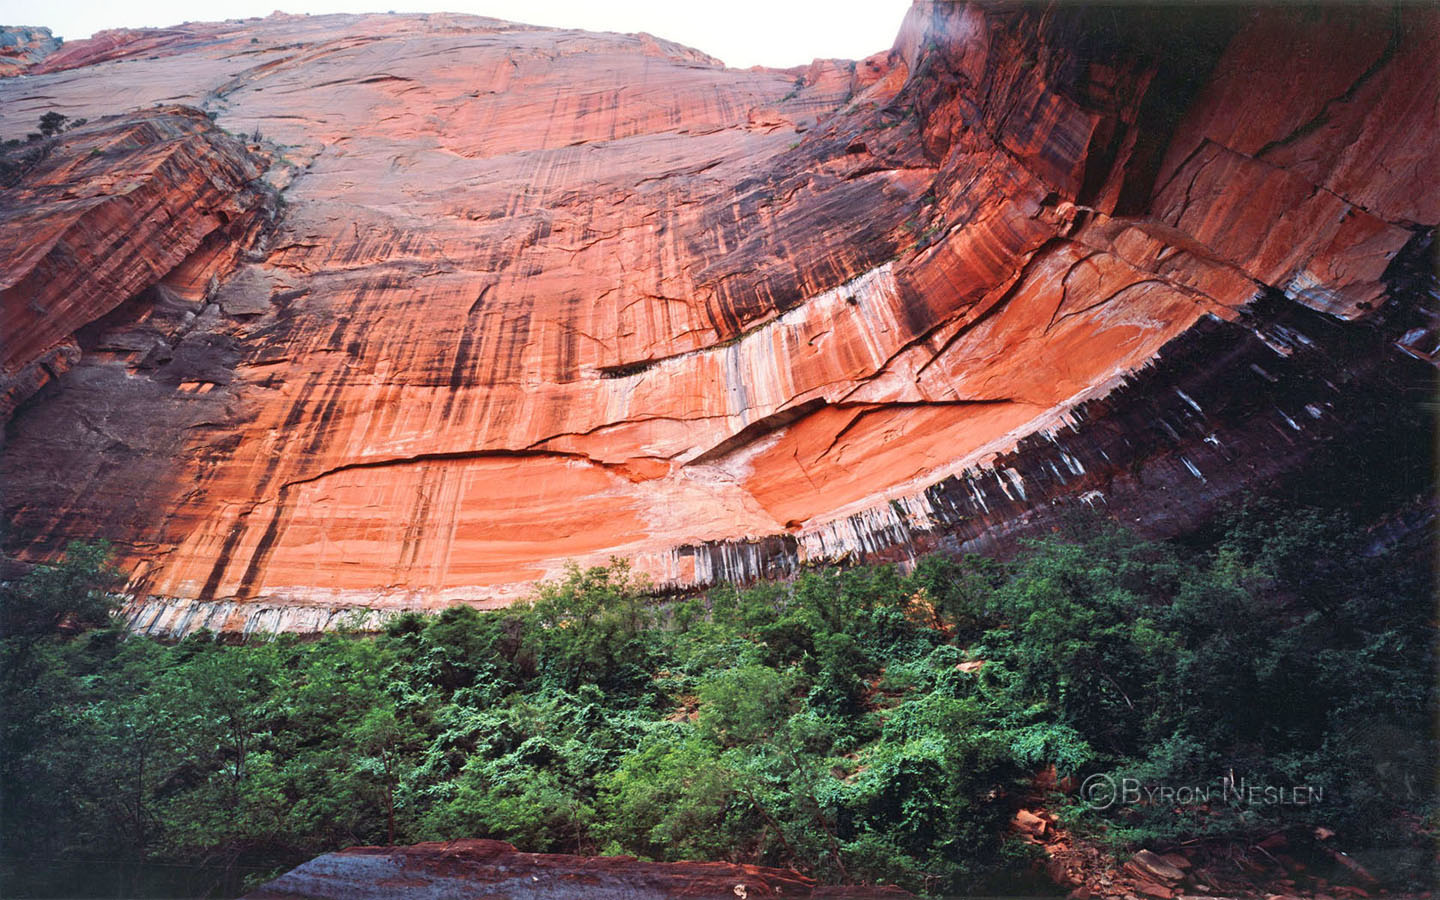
(24, 48)
(541, 295)
(106, 211)
(470, 868)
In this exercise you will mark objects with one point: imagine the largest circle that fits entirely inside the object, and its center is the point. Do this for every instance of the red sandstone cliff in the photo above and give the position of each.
(540, 295)
(105, 213)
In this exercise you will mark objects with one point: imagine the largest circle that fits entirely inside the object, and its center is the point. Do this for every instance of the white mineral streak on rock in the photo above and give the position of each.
(1189, 400)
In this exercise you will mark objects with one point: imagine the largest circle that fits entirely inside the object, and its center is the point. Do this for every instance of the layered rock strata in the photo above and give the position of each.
(106, 211)
(541, 295)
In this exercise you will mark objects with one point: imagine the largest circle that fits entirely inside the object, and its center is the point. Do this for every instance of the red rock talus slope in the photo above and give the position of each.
(470, 868)
(541, 295)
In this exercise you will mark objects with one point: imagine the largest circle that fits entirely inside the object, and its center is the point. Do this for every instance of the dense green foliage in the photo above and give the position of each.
(826, 723)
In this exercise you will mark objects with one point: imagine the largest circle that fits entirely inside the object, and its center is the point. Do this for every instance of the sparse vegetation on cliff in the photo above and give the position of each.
(861, 725)
(17, 158)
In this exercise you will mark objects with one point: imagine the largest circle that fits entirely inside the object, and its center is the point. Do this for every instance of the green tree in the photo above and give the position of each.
(52, 123)
(672, 798)
(75, 593)
(592, 626)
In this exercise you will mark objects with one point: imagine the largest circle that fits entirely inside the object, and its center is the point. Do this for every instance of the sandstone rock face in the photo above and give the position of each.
(469, 868)
(107, 211)
(541, 295)
(22, 48)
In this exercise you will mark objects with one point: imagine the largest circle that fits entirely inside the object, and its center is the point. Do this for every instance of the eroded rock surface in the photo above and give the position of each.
(541, 295)
(471, 868)
(22, 48)
(106, 211)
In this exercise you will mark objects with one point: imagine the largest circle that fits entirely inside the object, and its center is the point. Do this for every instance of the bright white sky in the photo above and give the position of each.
(778, 33)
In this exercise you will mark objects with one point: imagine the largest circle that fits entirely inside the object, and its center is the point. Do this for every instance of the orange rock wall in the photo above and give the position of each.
(541, 295)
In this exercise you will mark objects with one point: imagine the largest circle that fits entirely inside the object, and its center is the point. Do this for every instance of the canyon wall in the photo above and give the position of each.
(466, 300)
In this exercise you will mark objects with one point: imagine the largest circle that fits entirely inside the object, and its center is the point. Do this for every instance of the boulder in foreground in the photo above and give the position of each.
(494, 869)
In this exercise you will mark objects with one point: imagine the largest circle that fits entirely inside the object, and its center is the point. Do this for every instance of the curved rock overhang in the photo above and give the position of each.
(540, 295)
